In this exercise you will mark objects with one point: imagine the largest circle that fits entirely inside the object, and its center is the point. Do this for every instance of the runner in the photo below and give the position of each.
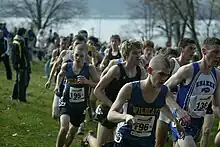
(79, 76)
(109, 85)
(147, 53)
(55, 56)
(198, 83)
(64, 56)
(111, 53)
(141, 102)
(187, 48)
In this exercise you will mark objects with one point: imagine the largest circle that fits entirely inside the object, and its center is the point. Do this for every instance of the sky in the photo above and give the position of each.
(102, 28)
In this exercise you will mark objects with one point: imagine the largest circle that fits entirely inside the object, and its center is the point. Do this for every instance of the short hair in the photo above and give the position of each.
(148, 43)
(211, 41)
(116, 37)
(165, 62)
(185, 41)
(79, 37)
(128, 46)
(21, 31)
(170, 51)
(94, 39)
(81, 47)
(83, 32)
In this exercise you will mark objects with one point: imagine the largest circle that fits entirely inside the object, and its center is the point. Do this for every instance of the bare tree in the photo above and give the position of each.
(208, 16)
(169, 23)
(139, 10)
(165, 16)
(186, 10)
(43, 13)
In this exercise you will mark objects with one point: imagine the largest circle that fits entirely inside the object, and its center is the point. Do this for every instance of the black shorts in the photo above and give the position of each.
(101, 117)
(76, 118)
(209, 109)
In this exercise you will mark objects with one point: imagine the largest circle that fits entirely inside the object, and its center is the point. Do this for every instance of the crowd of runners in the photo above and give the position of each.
(138, 94)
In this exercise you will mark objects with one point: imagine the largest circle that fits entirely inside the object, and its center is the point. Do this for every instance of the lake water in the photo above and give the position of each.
(104, 28)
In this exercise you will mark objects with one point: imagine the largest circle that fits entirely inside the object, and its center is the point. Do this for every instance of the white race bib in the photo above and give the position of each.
(143, 126)
(199, 104)
(61, 102)
(76, 95)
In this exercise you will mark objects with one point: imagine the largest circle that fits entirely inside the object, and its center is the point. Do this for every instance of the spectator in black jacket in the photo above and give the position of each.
(21, 64)
(4, 54)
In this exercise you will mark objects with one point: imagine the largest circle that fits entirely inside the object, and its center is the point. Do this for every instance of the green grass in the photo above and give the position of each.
(31, 125)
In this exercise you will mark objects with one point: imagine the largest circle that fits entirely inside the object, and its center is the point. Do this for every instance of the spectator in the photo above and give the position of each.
(41, 44)
(21, 65)
(4, 54)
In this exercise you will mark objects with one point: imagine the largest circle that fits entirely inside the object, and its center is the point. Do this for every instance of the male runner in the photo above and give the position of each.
(65, 55)
(199, 85)
(145, 99)
(111, 53)
(110, 84)
(187, 48)
(148, 51)
(79, 76)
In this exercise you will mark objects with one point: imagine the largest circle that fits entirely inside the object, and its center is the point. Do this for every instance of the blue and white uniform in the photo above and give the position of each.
(142, 133)
(195, 98)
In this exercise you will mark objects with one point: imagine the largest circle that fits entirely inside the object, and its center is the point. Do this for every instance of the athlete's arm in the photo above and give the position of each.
(54, 57)
(94, 76)
(168, 113)
(56, 64)
(104, 60)
(60, 77)
(182, 75)
(99, 90)
(216, 96)
(173, 106)
(114, 114)
(111, 63)
(174, 119)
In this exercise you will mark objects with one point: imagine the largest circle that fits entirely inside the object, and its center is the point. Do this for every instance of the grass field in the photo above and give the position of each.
(31, 125)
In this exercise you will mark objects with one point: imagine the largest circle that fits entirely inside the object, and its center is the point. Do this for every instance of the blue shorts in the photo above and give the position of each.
(193, 129)
(121, 141)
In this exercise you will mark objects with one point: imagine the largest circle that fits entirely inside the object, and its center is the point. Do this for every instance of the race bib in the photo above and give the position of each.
(199, 104)
(143, 126)
(61, 102)
(76, 95)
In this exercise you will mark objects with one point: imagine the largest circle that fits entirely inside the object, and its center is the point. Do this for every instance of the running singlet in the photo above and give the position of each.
(115, 85)
(111, 57)
(196, 96)
(176, 66)
(75, 93)
(142, 133)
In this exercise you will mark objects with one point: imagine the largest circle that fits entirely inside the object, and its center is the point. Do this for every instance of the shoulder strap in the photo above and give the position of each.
(135, 87)
(122, 70)
(196, 68)
(164, 90)
(19, 46)
(138, 72)
(214, 73)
